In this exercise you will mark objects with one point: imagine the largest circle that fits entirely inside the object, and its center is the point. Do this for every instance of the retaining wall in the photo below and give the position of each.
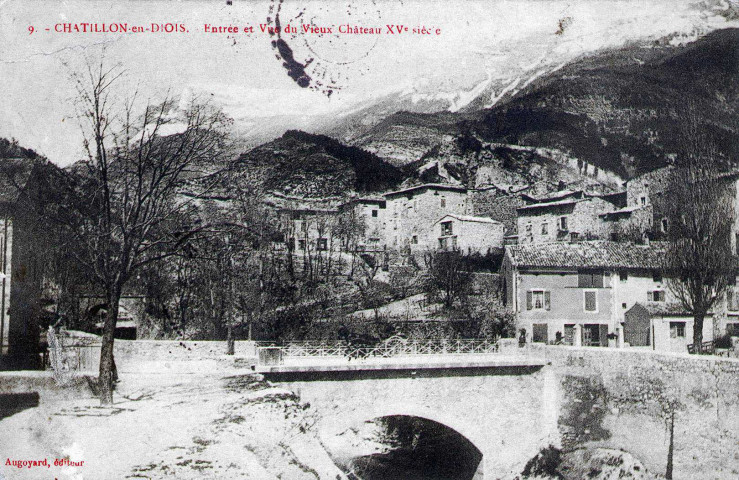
(622, 398)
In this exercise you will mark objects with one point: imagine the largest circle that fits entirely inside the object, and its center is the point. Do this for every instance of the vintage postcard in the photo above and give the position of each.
(369, 239)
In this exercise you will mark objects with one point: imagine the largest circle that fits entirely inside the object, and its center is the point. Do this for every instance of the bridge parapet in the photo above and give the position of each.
(392, 347)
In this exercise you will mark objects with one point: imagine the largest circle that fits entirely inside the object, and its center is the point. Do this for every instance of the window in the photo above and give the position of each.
(442, 202)
(591, 300)
(528, 228)
(590, 279)
(732, 300)
(291, 242)
(538, 300)
(374, 213)
(545, 228)
(563, 223)
(414, 239)
(541, 333)
(665, 225)
(446, 229)
(657, 277)
(643, 201)
(732, 329)
(656, 296)
(322, 244)
(623, 305)
(301, 244)
(677, 329)
(623, 275)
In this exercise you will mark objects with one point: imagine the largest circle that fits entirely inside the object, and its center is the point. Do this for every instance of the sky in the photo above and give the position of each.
(478, 42)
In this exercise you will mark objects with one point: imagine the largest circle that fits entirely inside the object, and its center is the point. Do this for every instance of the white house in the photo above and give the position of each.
(467, 233)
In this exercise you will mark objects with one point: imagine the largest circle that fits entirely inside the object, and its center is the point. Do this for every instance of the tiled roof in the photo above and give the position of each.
(556, 203)
(667, 309)
(588, 254)
(469, 218)
(624, 210)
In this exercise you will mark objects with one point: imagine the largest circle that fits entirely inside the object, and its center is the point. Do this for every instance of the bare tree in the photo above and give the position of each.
(138, 189)
(450, 275)
(699, 206)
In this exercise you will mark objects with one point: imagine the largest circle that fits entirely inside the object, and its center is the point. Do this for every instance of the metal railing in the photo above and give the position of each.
(392, 347)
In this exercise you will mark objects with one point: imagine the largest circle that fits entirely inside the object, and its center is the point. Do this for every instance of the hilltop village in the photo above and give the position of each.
(547, 263)
(553, 217)
(576, 268)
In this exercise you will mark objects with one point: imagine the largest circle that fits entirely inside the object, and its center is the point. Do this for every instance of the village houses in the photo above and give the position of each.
(419, 218)
(468, 234)
(414, 210)
(601, 293)
(565, 216)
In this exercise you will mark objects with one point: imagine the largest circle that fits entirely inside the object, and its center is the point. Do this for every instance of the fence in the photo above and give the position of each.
(68, 354)
(392, 347)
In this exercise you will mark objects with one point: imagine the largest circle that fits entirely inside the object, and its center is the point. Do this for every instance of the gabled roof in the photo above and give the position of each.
(561, 194)
(429, 186)
(588, 254)
(557, 203)
(469, 218)
(621, 211)
(667, 309)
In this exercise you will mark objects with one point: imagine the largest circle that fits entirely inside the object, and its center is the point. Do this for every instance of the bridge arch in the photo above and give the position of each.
(469, 429)
(395, 445)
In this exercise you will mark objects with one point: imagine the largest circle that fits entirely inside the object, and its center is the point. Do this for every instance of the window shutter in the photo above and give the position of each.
(547, 300)
(529, 300)
(591, 303)
(598, 280)
(584, 280)
(729, 300)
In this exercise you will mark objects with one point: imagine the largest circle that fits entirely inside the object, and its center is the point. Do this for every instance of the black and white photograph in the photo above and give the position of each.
(369, 239)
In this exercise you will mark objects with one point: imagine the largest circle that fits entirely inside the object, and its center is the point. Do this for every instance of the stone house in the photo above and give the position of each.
(498, 204)
(646, 202)
(310, 228)
(564, 216)
(413, 211)
(368, 216)
(468, 234)
(581, 292)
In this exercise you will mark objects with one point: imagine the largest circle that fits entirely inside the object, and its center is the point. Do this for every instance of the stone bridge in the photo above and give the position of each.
(507, 407)
(511, 406)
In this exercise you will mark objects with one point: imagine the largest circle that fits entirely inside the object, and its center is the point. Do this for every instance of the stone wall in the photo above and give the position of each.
(492, 203)
(621, 398)
(175, 350)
